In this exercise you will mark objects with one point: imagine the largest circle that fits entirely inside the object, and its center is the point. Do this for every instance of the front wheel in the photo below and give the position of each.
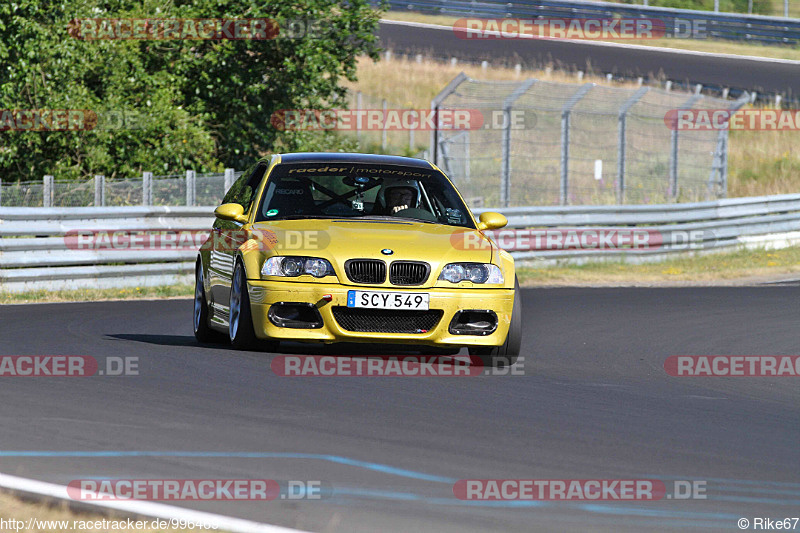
(507, 353)
(240, 321)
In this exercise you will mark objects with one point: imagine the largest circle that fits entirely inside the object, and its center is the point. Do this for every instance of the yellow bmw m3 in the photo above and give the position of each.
(332, 247)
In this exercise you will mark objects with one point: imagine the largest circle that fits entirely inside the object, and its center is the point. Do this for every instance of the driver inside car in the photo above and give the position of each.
(400, 195)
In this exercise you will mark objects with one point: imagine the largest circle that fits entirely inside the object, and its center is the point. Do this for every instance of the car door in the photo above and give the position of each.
(227, 236)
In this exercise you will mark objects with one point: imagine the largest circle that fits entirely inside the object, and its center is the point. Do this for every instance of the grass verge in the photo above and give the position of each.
(13, 508)
(698, 45)
(94, 295)
(741, 267)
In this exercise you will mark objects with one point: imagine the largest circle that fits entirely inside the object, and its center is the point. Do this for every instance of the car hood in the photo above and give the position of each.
(338, 240)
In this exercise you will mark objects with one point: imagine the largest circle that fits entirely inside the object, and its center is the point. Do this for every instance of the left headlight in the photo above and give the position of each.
(474, 272)
(291, 266)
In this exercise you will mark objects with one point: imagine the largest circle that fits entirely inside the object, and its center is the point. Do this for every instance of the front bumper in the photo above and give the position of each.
(263, 294)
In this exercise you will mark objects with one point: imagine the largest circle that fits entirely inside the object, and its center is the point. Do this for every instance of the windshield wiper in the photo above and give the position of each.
(296, 217)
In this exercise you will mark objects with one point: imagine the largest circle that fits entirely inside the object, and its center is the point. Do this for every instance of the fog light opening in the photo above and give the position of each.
(474, 322)
(297, 315)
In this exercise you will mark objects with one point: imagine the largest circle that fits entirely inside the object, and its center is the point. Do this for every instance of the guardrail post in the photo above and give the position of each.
(147, 188)
(190, 187)
(47, 193)
(673, 150)
(623, 117)
(435, 103)
(230, 177)
(99, 190)
(566, 111)
(505, 145)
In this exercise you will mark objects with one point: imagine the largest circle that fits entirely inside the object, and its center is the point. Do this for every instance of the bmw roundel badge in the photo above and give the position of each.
(387, 251)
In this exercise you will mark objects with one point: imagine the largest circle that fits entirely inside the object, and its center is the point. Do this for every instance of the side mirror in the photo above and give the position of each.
(491, 220)
(232, 212)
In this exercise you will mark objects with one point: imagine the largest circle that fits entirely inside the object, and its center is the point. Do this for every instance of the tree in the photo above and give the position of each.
(167, 105)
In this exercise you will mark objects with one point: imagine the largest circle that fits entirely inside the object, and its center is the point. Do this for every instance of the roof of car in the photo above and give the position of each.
(336, 157)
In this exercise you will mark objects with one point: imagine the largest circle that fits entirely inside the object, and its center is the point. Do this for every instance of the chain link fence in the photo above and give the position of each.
(174, 189)
(549, 143)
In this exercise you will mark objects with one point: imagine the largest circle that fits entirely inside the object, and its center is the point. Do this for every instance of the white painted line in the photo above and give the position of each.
(151, 509)
(612, 45)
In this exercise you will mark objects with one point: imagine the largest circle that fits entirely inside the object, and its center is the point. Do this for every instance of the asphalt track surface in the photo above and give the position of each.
(595, 402)
(764, 76)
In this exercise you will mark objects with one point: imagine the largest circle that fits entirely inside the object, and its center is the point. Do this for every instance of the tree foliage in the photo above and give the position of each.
(167, 105)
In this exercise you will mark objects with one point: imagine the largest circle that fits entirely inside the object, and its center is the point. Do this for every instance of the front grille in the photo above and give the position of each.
(408, 273)
(386, 320)
(365, 270)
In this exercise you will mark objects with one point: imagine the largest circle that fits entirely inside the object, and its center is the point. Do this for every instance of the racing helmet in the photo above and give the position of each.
(397, 194)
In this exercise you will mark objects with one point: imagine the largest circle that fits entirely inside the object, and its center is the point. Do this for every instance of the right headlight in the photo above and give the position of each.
(293, 266)
(474, 272)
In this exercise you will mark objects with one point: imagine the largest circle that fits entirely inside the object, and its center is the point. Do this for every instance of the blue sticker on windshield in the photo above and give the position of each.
(271, 212)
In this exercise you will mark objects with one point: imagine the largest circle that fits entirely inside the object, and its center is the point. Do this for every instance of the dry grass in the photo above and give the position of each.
(760, 162)
(412, 84)
(95, 295)
(699, 45)
(739, 267)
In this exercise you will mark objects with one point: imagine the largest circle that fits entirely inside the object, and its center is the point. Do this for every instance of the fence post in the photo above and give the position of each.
(437, 100)
(623, 117)
(99, 190)
(359, 106)
(505, 145)
(147, 188)
(190, 187)
(47, 193)
(720, 164)
(229, 178)
(385, 107)
(566, 111)
(673, 149)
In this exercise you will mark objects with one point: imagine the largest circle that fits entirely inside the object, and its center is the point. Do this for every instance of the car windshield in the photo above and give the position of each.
(347, 190)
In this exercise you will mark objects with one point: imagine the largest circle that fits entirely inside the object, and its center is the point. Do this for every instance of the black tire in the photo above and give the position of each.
(202, 331)
(240, 327)
(240, 320)
(507, 353)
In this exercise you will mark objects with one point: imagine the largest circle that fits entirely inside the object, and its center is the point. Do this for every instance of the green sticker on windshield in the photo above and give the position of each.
(272, 212)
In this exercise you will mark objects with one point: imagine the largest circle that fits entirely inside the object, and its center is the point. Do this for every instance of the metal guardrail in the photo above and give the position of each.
(729, 26)
(34, 253)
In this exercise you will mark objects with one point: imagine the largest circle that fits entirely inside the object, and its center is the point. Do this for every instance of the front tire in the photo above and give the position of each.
(507, 353)
(240, 321)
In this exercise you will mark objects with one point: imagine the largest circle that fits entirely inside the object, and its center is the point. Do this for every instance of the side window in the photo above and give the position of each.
(244, 189)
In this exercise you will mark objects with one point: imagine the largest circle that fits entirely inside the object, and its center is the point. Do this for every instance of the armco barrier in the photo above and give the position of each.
(730, 26)
(34, 253)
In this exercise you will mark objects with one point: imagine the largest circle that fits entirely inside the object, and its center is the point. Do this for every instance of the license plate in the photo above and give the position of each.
(388, 300)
